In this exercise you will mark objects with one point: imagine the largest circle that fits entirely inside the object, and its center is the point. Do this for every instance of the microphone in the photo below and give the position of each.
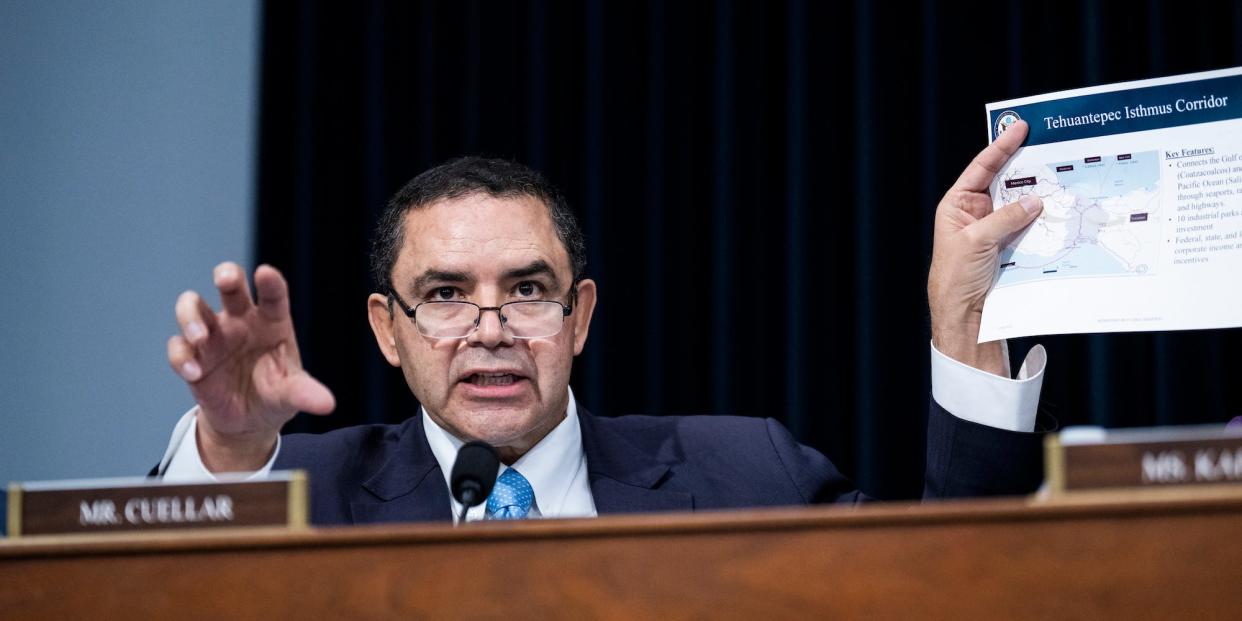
(474, 474)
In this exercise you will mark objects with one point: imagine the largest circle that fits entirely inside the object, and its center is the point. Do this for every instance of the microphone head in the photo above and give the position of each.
(474, 473)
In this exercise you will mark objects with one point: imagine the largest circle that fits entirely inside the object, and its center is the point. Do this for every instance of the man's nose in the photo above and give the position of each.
(491, 331)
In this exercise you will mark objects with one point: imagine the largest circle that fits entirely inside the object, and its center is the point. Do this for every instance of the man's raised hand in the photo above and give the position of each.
(243, 367)
(966, 248)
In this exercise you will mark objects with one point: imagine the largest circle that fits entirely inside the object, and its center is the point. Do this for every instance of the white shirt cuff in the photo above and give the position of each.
(981, 397)
(183, 463)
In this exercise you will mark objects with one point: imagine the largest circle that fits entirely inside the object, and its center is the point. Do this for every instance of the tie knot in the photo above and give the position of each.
(511, 498)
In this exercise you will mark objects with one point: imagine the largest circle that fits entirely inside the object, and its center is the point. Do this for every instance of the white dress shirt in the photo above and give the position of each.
(987, 399)
(557, 470)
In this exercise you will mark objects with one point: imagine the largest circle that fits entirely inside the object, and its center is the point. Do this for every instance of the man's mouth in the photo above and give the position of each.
(494, 384)
(492, 379)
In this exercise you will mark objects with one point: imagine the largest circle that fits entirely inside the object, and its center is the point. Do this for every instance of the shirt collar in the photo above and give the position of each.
(550, 465)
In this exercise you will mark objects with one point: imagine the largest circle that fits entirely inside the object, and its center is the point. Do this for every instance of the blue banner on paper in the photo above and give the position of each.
(1132, 110)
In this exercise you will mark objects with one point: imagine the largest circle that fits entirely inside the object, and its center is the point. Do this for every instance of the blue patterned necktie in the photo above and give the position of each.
(511, 498)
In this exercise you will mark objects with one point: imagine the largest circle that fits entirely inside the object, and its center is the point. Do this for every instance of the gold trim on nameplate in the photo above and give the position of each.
(15, 510)
(1144, 494)
(1054, 463)
(299, 499)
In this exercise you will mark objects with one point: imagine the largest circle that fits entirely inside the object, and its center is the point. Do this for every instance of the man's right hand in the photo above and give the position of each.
(243, 368)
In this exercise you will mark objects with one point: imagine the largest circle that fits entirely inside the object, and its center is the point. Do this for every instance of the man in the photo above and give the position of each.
(482, 301)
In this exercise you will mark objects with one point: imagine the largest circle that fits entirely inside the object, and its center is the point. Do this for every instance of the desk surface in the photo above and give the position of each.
(1176, 555)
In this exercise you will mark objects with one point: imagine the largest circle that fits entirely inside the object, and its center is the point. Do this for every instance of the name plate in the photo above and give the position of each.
(127, 505)
(1162, 457)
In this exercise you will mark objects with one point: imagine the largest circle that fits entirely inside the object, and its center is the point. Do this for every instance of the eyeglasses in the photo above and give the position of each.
(533, 319)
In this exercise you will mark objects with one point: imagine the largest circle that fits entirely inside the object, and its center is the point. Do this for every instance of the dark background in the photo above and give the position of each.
(756, 181)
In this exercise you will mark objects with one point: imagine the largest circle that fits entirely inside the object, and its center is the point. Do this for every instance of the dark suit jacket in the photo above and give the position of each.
(387, 473)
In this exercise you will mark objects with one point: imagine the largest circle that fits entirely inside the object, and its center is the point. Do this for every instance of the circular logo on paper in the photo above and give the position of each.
(1006, 118)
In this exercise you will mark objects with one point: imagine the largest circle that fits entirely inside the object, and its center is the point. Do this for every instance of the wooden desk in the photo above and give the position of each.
(1008, 559)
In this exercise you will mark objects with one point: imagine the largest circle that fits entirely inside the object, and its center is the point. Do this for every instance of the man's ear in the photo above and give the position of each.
(583, 309)
(381, 316)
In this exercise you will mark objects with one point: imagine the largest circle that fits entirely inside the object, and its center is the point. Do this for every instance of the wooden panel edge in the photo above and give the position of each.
(1088, 506)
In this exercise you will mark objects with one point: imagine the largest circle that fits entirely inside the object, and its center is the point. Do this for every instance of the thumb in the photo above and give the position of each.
(307, 394)
(1008, 220)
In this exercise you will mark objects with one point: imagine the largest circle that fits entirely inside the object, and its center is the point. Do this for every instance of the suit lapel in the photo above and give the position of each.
(625, 479)
(409, 486)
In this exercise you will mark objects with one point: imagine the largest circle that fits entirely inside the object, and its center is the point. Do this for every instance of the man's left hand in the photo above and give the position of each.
(966, 246)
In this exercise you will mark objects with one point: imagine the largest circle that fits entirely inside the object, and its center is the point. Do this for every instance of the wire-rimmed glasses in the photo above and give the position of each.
(453, 319)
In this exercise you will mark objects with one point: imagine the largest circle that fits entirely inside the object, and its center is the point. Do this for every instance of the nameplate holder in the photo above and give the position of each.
(1095, 459)
(100, 506)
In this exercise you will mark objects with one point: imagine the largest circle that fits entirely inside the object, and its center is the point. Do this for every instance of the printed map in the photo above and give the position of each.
(1101, 218)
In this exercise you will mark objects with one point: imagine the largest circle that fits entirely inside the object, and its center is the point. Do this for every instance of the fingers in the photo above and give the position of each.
(1007, 220)
(978, 176)
(195, 318)
(181, 359)
(281, 381)
(273, 292)
(234, 289)
(307, 394)
(197, 321)
(292, 389)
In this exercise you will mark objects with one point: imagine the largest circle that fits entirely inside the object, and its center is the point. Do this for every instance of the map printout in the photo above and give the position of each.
(1142, 191)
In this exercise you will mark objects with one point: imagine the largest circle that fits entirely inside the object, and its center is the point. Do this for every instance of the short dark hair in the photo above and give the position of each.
(460, 177)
